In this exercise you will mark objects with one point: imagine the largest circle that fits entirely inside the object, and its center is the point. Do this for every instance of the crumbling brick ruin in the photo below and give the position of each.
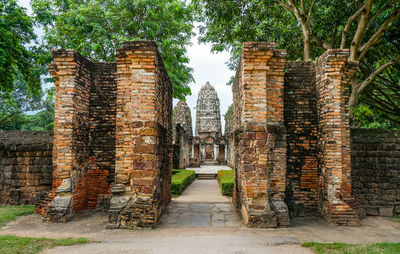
(290, 142)
(112, 136)
(291, 137)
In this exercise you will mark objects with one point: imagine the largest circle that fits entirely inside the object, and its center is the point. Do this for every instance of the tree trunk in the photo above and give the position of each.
(353, 100)
(306, 43)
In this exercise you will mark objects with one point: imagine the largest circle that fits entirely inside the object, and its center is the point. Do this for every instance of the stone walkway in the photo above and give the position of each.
(203, 191)
(210, 169)
(201, 205)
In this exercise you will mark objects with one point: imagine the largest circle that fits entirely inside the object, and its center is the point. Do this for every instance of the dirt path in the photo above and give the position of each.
(202, 240)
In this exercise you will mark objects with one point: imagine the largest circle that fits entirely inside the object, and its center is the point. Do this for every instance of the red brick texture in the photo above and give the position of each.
(332, 79)
(260, 136)
(112, 137)
(143, 137)
(291, 137)
(301, 122)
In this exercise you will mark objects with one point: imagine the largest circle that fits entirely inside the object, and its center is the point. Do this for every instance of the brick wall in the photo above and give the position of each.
(333, 77)
(375, 163)
(143, 137)
(301, 125)
(260, 136)
(25, 166)
(84, 134)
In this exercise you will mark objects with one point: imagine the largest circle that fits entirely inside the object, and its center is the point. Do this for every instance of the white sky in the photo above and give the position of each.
(206, 67)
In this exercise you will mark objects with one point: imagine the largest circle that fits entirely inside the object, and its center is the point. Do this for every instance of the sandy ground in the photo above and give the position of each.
(201, 240)
(176, 237)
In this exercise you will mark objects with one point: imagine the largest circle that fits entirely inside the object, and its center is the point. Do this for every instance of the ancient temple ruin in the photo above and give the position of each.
(209, 140)
(182, 136)
(289, 141)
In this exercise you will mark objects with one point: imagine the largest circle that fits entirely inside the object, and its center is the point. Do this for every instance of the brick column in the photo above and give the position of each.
(143, 137)
(71, 127)
(333, 77)
(259, 136)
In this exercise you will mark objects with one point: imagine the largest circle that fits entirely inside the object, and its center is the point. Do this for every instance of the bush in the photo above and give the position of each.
(226, 180)
(181, 179)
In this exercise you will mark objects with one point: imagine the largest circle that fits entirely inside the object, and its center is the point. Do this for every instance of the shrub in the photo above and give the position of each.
(181, 179)
(226, 180)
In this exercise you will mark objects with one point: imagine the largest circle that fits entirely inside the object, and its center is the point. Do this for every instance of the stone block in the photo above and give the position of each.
(386, 211)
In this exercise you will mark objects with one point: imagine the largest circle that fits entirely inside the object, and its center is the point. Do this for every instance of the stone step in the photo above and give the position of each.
(206, 176)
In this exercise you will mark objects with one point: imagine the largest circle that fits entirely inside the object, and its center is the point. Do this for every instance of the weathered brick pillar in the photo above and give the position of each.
(333, 77)
(71, 127)
(143, 137)
(260, 136)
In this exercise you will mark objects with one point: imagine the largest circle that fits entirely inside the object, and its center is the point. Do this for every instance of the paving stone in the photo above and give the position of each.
(201, 220)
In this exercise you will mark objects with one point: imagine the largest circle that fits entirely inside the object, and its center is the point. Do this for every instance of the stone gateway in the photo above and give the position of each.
(117, 137)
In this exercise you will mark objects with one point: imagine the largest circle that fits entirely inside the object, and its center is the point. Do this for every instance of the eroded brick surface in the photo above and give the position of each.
(260, 136)
(375, 170)
(25, 166)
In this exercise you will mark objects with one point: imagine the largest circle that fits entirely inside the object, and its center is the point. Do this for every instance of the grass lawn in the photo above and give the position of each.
(344, 248)
(396, 218)
(11, 212)
(15, 244)
(27, 245)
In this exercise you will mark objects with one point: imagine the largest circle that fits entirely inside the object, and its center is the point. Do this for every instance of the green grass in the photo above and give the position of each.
(344, 248)
(181, 179)
(226, 180)
(396, 218)
(10, 212)
(26, 245)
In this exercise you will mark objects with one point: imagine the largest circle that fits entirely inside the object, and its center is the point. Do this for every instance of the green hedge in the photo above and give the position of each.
(181, 179)
(226, 179)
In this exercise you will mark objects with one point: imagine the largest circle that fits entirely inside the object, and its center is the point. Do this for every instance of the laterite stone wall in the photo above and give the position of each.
(25, 166)
(375, 163)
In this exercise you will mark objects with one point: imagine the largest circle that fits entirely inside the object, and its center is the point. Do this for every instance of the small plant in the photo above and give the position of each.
(226, 181)
(181, 179)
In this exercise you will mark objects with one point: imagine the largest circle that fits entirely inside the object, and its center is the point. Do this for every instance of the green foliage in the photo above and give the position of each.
(226, 181)
(96, 28)
(339, 248)
(26, 245)
(229, 112)
(227, 24)
(16, 58)
(181, 179)
(10, 212)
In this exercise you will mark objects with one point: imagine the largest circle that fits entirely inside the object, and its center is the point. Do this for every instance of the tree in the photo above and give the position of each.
(95, 28)
(357, 25)
(16, 58)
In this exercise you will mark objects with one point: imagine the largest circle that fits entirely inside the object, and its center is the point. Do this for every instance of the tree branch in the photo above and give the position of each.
(310, 11)
(362, 24)
(375, 73)
(379, 13)
(374, 38)
(287, 7)
(347, 27)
